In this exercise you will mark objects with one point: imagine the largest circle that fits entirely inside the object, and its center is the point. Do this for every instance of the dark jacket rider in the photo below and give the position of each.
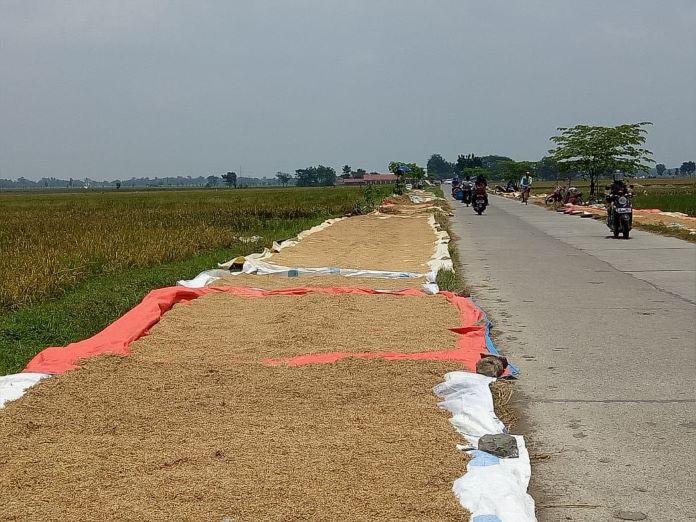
(481, 185)
(617, 188)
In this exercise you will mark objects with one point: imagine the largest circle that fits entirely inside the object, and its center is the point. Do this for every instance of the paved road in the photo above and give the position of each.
(604, 333)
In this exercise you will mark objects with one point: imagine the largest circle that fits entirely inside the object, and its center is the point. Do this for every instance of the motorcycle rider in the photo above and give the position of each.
(467, 187)
(613, 192)
(480, 185)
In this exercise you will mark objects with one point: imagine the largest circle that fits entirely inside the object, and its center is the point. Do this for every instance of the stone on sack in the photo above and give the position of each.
(491, 365)
(500, 444)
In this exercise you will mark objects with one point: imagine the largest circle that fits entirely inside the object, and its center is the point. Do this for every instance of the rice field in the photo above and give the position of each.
(668, 200)
(52, 241)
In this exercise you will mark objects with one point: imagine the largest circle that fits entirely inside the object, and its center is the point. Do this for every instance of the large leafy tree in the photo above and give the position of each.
(516, 169)
(688, 168)
(315, 176)
(230, 179)
(405, 170)
(598, 151)
(468, 161)
(346, 172)
(413, 171)
(439, 167)
(660, 169)
(547, 168)
(492, 161)
(284, 178)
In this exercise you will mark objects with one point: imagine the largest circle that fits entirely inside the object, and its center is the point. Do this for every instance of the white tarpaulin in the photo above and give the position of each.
(440, 259)
(204, 278)
(12, 387)
(493, 489)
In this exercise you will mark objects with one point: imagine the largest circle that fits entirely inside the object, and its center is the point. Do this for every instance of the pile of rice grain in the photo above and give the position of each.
(225, 327)
(129, 439)
(371, 242)
(273, 282)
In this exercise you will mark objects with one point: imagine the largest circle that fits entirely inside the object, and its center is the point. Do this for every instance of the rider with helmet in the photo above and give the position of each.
(480, 186)
(526, 185)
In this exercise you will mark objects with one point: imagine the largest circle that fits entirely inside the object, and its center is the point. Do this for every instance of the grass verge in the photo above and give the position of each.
(665, 230)
(450, 280)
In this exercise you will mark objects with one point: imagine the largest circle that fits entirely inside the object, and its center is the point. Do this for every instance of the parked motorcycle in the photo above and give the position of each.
(620, 213)
(480, 200)
(509, 189)
(563, 195)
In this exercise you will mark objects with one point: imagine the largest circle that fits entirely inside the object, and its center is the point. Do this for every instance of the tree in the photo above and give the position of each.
(359, 174)
(547, 169)
(660, 168)
(230, 179)
(213, 181)
(118, 184)
(284, 178)
(439, 167)
(492, 161)
(412, 171)
(346, 172)
(404, 171)
(516, 169)
(315, 176)
(687, 168)
(597, 151)
(468, 161)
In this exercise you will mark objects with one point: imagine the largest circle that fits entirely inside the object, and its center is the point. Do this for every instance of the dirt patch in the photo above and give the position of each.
(273, 282)
(686, 222)
(249, 329)
(129, 439)
(374, 242)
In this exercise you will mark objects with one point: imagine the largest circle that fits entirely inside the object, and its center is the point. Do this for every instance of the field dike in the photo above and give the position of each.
(300, 391)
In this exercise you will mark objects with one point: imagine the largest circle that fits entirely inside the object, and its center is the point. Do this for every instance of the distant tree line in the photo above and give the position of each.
(143, 182)
(491, 167)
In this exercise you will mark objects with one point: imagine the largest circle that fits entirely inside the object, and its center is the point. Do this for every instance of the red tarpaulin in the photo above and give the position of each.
(117, 337)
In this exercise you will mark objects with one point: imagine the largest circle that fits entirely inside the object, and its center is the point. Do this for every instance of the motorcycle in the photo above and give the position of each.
(509, 189)
(562, 196)
(457, 193)
(620, 214)
(467, 194)
(480, 203)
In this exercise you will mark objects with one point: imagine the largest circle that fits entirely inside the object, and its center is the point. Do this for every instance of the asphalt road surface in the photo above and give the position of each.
(604, 333)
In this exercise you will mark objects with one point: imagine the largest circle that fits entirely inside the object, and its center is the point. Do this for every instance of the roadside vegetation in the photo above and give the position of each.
(450, 280)
(74, 262)
(50, 242)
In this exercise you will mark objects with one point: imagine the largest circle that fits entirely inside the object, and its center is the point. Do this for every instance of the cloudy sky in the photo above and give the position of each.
(120, 88)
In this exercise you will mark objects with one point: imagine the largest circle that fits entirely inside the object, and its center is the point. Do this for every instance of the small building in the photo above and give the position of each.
(370, 179)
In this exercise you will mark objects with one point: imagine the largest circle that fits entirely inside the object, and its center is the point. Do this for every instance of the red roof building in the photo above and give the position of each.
(371, 179)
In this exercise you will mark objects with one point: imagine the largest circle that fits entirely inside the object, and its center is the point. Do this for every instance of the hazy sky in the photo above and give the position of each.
(120, 88)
